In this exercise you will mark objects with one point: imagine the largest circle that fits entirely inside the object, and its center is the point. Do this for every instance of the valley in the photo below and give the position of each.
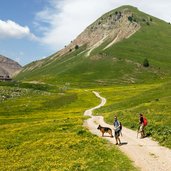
(124, 56)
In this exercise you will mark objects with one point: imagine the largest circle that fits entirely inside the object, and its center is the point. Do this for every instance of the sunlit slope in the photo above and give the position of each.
(111, 60)
(153, 100)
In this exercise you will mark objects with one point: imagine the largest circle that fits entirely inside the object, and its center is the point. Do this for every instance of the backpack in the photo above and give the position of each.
(120, 126)
(145, 121)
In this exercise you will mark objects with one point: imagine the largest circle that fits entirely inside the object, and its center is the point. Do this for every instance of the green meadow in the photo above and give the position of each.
(153, 100)
(43, 130)
(42, 124)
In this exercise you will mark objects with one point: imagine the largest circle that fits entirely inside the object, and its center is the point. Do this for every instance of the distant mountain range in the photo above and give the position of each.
(111, 50)
(8, 67)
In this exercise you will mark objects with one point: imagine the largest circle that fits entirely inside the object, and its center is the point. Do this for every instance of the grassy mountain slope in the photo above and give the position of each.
(120, 63)
(45, 119)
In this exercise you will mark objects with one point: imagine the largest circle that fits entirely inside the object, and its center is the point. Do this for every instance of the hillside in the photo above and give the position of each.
(8, 67)
(110, 51)
(41, 115)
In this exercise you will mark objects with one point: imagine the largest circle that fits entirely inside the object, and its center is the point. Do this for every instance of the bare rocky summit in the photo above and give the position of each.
(113, 27)
(8, 67)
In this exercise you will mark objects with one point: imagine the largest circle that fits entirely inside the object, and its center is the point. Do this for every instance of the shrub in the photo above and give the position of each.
(76, 47)
(130, 18)
(146, 63)
(99, 22)
(134, 20)
(148, 23)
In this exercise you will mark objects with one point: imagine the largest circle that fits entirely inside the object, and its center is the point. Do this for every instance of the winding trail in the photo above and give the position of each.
(146, 154)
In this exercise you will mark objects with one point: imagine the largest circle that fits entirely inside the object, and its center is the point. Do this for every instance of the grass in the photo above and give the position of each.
(153, 100)
(149, 42)
(43, 130)
(122, 63)
(46, 122)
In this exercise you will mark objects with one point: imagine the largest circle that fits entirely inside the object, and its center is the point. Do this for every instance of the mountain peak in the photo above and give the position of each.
(95, 56)
(113, 26)
(8, 66)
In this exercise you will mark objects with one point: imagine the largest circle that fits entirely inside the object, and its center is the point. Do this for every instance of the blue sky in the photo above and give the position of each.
(22, 12)
(34, 29)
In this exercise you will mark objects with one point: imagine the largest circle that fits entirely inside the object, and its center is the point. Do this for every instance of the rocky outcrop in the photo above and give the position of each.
(8, 67)
(113, 27)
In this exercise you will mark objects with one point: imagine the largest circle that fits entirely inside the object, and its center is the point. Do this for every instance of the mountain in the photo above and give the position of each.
(112, 50)
(8, 67)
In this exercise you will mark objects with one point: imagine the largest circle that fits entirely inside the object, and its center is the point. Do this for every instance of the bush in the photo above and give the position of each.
(148, 23)
(76, 47)
(146, 63)
(130, 18)
(134, 20)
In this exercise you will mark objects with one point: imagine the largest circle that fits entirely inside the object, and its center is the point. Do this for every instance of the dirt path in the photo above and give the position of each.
(146, 153)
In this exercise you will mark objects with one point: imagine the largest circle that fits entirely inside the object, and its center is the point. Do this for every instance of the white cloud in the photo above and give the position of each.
(63, 20)
(67, 18)
(10, 29)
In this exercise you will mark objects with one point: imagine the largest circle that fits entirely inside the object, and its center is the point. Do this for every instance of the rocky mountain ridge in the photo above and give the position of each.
(113, 26)
(8, 67)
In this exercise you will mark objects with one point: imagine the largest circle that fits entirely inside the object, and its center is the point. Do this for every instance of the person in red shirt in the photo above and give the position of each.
(141, 123)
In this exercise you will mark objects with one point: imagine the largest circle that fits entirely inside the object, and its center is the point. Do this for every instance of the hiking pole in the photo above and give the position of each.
(114, 132)
(121, 133)
(138, 130)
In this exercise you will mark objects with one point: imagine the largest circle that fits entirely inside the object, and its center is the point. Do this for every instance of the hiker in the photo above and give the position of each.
(117, 129)
(142, 124)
